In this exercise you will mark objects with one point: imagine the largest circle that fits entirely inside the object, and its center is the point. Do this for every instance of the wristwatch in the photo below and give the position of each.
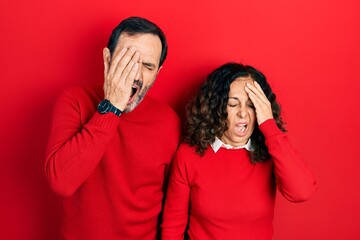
(105, 106)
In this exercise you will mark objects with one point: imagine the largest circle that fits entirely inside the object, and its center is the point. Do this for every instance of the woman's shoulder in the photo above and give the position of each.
(188, 152)
(186, 148)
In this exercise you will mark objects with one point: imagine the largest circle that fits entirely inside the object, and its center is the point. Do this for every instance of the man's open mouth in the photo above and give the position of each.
(135, 88)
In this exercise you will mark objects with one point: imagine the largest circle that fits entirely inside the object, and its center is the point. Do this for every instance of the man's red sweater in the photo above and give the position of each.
(110, 170)
(224, 196)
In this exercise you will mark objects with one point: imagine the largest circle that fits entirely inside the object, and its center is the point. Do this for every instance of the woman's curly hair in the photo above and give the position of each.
(207, 114)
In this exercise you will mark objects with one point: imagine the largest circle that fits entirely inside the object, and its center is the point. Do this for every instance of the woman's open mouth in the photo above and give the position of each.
(241, 128)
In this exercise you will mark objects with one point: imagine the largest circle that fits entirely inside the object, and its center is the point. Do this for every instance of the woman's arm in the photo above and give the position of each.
(294, 180)
(176, 209)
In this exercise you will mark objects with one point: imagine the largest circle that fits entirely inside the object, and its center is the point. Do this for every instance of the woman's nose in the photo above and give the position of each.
(242, 112)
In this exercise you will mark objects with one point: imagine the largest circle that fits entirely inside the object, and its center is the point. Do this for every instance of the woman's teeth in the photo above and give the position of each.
(241, 127)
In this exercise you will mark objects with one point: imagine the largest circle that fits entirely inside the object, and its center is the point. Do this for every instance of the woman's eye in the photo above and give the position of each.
(232, 105)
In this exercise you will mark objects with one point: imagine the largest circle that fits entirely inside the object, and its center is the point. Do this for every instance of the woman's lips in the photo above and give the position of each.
(240, 129)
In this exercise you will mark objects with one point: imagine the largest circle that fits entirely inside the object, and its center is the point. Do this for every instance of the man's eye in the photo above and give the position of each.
(251, 106)
(149, 67)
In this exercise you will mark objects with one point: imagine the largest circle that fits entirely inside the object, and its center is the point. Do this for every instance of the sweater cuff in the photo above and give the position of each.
(269, 128)
(107, 121)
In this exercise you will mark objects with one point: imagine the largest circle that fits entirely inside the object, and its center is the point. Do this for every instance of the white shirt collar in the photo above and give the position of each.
(217, 144)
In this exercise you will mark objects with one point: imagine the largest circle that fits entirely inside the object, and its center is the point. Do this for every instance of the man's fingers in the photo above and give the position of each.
(123, 75)
(131, 76)
(123, 56)
(124, 61)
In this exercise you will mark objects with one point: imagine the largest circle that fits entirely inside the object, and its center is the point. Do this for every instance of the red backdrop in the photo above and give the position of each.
(308, 49)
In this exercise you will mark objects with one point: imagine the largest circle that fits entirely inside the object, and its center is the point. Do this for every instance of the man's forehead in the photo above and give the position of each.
(149, 45)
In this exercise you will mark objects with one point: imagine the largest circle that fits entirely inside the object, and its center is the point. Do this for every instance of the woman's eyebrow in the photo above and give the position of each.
(234, 98)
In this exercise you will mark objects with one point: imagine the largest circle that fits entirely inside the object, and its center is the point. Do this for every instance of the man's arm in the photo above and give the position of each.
(76, 148)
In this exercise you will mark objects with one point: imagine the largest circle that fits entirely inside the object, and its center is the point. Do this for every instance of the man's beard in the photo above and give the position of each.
(131, 106)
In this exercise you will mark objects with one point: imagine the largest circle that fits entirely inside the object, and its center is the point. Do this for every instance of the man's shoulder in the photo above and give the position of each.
(83, 92)
(160, 108)
(82, 99)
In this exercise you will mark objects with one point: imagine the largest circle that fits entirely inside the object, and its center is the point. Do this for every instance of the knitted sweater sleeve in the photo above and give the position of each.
(176, 207)
(293, 178)
(76, 144)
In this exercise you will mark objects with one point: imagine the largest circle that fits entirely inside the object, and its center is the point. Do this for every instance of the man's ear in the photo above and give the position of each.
(107, 59)
(159, 70)
(106, 55)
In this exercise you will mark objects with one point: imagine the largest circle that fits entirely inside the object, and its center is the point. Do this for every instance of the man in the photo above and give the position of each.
(111, 146)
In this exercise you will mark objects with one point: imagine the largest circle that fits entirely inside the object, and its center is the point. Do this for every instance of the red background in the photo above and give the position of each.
(309, 50)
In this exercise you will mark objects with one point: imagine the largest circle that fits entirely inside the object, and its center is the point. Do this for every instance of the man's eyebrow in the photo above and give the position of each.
(149, 64)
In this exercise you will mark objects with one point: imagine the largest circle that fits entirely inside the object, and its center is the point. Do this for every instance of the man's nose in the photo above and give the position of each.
(139, 72)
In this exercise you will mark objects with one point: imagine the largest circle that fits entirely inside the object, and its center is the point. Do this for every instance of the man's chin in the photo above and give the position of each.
(131, 106)
(137, 100)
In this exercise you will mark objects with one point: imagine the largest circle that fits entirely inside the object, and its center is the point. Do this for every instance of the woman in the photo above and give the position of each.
(224, 177)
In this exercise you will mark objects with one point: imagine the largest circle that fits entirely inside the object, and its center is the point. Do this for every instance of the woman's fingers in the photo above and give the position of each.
(260, 101)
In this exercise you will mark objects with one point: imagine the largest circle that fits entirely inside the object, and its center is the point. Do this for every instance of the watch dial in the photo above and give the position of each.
(103, 106)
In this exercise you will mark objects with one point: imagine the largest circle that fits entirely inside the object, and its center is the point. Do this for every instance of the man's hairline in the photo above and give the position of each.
(130, 34)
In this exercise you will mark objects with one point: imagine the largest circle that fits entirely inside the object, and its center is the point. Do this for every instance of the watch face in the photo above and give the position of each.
(103, 106)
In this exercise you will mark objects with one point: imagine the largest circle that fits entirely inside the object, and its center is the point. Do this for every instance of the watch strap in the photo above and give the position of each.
(105, 106)
(115, 110)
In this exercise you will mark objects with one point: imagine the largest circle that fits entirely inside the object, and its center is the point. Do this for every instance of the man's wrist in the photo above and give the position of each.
(105, 106)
